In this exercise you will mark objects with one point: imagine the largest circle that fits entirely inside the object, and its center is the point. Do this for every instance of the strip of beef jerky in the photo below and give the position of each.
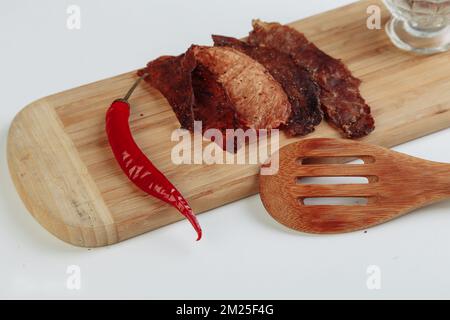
(192, 91)
(341, 101)
(172, 77)
(302, 91)
(259, 100)
(212, 105)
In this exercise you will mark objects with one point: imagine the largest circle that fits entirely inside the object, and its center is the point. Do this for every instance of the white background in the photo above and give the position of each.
(244, 253)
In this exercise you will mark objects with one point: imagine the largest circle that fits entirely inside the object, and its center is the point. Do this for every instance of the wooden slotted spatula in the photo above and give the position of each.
(396, 184)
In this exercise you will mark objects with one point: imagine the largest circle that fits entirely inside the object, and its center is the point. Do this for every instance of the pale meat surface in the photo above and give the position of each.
(259, 100)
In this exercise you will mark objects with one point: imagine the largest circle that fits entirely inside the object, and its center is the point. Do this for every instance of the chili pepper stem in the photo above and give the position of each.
(136, 83)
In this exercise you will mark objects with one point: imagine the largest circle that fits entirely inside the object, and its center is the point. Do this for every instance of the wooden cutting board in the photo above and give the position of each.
(67, 177)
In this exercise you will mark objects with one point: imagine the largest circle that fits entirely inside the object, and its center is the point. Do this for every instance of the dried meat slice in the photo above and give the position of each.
(302, 91)
(341, 101)
(172, 77)
(258, 99)
(192, 91)
(212, 104)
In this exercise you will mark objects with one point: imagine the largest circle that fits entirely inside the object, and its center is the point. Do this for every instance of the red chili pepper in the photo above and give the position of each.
(138, 168)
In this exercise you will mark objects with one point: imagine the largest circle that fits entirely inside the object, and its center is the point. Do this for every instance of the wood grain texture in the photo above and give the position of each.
(397, 184)
(409, 96)
(53, 181)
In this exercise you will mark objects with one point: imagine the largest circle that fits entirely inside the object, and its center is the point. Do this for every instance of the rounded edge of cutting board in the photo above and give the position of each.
(52, 180)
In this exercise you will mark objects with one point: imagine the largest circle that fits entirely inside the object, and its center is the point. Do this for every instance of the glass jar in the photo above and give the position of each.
(421, 26)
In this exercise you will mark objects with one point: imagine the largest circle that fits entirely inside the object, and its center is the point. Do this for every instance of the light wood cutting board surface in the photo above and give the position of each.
(66, 175)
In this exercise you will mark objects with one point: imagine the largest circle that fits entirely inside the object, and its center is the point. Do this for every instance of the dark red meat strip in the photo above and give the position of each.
(341, 101)
(172, 77)
(192, 91)
(212, 105)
